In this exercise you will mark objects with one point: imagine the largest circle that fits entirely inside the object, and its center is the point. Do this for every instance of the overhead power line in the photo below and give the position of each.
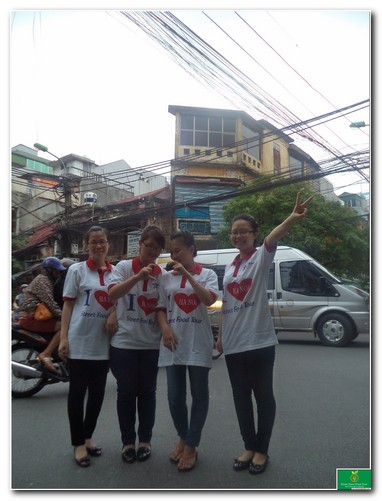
(210, 67)
(148, 170)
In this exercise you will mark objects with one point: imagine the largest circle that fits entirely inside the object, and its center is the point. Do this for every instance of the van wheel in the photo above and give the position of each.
(334, 329)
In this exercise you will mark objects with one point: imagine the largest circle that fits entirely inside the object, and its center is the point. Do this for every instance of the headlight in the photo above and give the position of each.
(361, 293)
(216, 306)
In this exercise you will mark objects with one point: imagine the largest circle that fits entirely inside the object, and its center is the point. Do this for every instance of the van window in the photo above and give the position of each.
(301, 277)
(219, 270)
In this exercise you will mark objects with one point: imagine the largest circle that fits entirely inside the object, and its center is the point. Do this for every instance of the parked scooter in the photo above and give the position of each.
(29, 375)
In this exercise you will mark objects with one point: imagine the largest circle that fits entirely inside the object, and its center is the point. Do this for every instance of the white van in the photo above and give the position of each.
(303, 296)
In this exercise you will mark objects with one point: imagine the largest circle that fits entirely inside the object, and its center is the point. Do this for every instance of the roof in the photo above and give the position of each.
(161, 193)
(39, 236)
(208, 180)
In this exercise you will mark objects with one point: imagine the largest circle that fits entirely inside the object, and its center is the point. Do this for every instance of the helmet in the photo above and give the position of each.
(53, 262)
(66, 262)
(23, 286)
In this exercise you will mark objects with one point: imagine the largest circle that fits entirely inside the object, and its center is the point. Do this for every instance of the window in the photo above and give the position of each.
(194, 226)
(350, 203)
(219, 269)
(252, 147)
(295, 167)
(276, 159)
(302, 277)
(213, 132)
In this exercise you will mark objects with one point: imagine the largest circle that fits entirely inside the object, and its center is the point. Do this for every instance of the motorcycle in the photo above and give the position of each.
(29, 375)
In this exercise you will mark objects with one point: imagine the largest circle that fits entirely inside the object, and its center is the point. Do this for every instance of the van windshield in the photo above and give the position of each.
(325, 273)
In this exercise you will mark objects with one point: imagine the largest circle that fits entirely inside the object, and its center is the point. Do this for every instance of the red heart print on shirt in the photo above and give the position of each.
(239, 289)
(186, 302)
(147, 304)
(103, 299)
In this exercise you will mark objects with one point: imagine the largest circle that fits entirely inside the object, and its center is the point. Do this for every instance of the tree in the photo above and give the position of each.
(16, 243)
(334, 235)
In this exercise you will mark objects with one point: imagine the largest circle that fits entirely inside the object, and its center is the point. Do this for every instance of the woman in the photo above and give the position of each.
(18, 302)
(187, 344)
(41, 290)
(135, 347)
(84, 341)
(248, 336)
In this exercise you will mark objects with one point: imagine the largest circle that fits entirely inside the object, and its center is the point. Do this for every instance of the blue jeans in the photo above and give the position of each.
(136, 374)
(188, 430)
(252, 371)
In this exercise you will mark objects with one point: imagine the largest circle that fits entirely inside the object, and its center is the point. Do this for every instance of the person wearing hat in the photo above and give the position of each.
(41, 290)
(17, 302)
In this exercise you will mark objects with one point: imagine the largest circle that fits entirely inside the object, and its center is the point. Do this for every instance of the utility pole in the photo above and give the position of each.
(67, 191)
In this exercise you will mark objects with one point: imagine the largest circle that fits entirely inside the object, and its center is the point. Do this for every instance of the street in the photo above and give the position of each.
(322, 423)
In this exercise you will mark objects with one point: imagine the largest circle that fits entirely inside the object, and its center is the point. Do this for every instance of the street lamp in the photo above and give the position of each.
(68, 199)
(44, 148)
(358, 125)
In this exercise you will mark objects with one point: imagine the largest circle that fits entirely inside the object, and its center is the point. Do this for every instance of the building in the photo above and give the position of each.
(219, 151)
(139, 181)
(55, 202)
(357, 201)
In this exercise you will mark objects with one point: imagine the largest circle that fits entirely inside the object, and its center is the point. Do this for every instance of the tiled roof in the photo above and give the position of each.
(40, 235)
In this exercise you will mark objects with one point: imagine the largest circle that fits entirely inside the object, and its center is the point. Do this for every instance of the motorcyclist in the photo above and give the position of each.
(17, 302)
(41, 290)
(58, 286)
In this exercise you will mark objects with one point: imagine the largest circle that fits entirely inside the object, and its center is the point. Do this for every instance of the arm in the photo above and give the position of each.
(111, 324)
(203, 294)
(118, 290)
(169, 339)
(219, 343)
(63, 349)
(299, 212)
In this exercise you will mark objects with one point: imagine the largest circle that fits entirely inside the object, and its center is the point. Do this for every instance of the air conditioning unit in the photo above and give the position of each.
(90, 198)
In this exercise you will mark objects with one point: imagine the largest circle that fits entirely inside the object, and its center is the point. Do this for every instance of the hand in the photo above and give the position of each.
(111, 324)
(300, 209)
(63, 350)
(179, 269)
(219, 345)
(146, 272)
(170, 341)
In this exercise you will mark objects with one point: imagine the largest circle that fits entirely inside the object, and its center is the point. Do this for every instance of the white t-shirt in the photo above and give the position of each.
(246, 319)
(87, 286)
(188, 318)
(138, 327)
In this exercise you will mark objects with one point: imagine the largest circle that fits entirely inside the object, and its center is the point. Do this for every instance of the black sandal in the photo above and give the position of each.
(94, 451)
(84, 462)
(143, 453)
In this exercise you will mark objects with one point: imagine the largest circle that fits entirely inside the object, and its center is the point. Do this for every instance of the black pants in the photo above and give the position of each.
(85, 376)
(252, 371)
(136, 374)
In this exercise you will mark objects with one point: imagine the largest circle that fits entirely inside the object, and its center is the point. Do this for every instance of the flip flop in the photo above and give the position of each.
(176, 454)
(188, 457)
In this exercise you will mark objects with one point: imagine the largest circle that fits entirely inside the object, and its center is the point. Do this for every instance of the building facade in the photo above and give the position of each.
(217, 152)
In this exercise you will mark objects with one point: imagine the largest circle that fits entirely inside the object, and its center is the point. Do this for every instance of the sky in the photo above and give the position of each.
(90, 83)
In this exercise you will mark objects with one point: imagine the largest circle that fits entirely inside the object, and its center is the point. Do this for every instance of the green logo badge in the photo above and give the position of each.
(352, 479)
